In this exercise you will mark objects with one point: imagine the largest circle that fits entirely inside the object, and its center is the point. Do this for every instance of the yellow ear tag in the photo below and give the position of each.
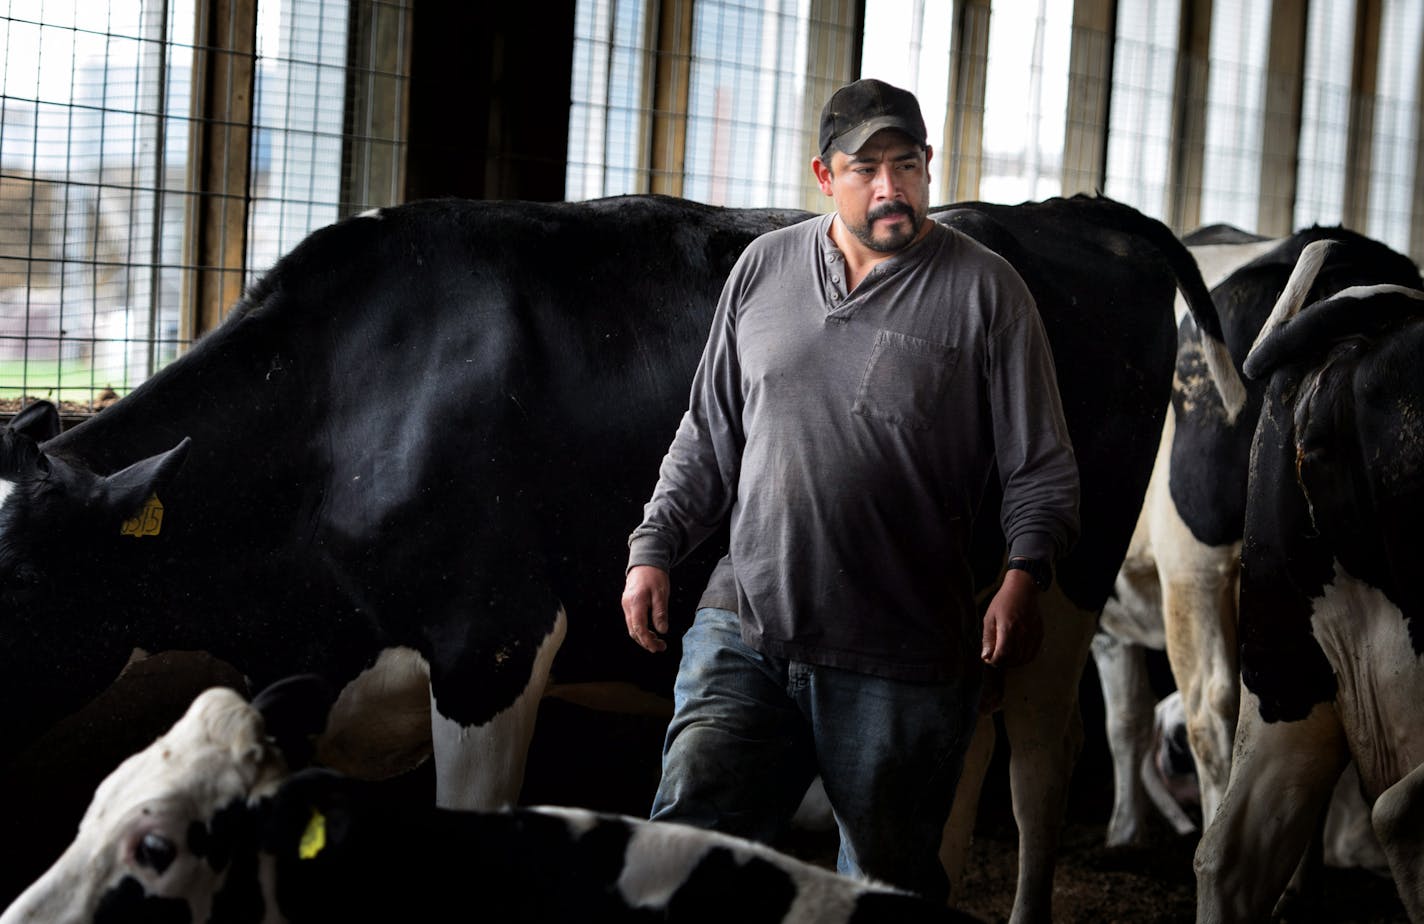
(314, 837)
(147, 522)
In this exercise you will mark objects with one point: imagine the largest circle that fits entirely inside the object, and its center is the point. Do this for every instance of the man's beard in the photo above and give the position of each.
(898, 238)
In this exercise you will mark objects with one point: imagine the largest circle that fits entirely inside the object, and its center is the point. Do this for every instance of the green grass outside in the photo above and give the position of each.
(58, 380)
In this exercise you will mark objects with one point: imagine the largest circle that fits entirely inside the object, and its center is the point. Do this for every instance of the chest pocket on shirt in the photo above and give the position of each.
(905, 380)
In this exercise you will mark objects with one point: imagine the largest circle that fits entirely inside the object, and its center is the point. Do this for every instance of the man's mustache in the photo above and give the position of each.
(888, 209)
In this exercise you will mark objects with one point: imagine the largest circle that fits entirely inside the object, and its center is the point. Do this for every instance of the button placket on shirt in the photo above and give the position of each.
(837, 295)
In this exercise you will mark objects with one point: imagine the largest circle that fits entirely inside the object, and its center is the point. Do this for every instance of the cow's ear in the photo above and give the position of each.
(39, 421)
(295, 711)
(128, 490)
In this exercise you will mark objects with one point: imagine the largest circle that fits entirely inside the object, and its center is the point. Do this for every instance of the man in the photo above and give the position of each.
(866, 373)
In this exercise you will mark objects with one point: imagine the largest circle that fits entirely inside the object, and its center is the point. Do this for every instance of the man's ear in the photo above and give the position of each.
(822, 170)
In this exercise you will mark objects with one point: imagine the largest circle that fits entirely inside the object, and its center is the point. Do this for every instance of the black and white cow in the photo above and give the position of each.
(206, 824)
(1331, 636)
(1178, 584)
(431, 427)
(1104, 277)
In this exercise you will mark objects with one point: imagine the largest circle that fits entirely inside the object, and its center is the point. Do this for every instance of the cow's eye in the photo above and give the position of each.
(155, 851)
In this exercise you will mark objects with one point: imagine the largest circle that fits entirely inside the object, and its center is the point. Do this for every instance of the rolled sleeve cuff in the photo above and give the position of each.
(1034, 545)
(648, 550)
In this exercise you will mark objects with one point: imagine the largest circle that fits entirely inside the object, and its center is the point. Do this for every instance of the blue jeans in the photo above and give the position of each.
(750, 732)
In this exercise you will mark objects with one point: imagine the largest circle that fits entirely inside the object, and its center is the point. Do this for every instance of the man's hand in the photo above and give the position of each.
(646, 592)
(1013, 629)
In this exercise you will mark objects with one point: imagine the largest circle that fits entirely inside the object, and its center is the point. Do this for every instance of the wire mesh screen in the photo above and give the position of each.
(1325, 113)
(907, 43)
(1140, 118)
(103, 166)
(607, 121)
(747, 126)
(742, 81)
(93, 140)
(1025, 100)
(1231, 165)
(1397, 107)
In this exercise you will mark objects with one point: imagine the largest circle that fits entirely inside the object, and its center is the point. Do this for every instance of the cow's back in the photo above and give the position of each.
(429, 425)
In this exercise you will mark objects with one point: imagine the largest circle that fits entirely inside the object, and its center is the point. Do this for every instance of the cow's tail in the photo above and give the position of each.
(1292, 298)
(1219, 363)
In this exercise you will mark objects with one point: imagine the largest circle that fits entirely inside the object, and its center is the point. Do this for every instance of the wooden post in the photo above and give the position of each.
(671, 89)
(1280, 127)
(964, 124)
(224, 70)
(832, 61)
(1359, 137)
(1090, 64)
(1189, 116)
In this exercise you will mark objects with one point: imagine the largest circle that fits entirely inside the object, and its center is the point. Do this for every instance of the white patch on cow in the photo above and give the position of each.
(579, 821)
(1282, 774)
(216, 754)
(1364, 292)
(482, 766)
(662, 855)
(379, 726)
(1193, 610)
(1381, 680)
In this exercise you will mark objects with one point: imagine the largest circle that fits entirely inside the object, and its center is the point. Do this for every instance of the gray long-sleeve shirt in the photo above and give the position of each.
(851, 436)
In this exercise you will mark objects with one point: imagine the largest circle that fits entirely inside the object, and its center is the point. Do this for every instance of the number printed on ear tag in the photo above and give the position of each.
(147, 522)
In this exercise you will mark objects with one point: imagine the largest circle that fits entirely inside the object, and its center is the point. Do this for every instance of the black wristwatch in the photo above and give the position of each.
(1038, 569)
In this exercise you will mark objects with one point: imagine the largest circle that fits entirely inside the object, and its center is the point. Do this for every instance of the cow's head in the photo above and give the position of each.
(169, 834)
(66, 532)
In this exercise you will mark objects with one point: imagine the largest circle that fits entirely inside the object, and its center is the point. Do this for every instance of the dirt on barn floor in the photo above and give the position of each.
(1095, 884)
(1152, 884)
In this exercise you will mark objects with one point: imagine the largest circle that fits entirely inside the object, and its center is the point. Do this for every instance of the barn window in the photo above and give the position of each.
(907, 43)
(1140, 124)
(1026, 97)
(607, 118)
(1325, 112)
(1231, 166)
(714, 100)
(155, 156)
(1397, 110)
(747, 132)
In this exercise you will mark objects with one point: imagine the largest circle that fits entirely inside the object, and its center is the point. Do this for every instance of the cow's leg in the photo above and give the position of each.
(1282, 774)
(1398, 820)
(959, 827)
(1127, 708)
(482, 766)
(1045, 732)
(1199, 610)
